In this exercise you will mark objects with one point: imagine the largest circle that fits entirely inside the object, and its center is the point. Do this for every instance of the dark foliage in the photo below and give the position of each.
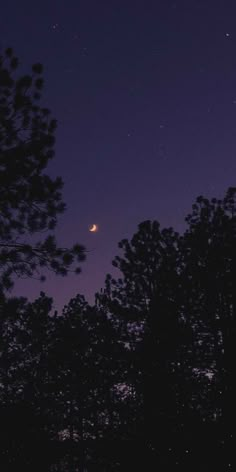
(30, 200)
(145, 378)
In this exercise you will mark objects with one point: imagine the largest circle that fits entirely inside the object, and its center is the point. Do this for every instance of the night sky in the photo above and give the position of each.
(145, 97)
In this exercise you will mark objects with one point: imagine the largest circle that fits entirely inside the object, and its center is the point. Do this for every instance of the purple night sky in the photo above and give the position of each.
(145, 96)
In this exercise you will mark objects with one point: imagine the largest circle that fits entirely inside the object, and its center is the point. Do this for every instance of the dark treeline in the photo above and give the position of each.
(143, 379)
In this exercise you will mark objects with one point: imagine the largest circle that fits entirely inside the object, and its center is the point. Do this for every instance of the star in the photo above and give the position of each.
(55, 26)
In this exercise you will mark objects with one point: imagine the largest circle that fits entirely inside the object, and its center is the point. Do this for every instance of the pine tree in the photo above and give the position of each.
(30, 200)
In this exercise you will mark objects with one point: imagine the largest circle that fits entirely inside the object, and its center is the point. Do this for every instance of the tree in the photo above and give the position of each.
(26, 379)
(145, 300)
(30, 200)
(86, 374)
(210, 257)
(173, 304)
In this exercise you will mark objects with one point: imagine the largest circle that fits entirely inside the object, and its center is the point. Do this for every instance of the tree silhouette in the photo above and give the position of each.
(210, 242)
(30, 200)
(26, 379)
(145, 378)
(87, 373)
(174, 304)
(145, 300)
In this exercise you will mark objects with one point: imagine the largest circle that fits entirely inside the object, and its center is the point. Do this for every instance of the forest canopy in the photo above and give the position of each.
(146, 375)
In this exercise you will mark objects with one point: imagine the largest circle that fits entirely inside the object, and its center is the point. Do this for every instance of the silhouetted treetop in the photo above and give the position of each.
(30, 200)
(149, 253)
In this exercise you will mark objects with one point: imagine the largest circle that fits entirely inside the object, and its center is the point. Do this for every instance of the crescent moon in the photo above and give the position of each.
(93, 228)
